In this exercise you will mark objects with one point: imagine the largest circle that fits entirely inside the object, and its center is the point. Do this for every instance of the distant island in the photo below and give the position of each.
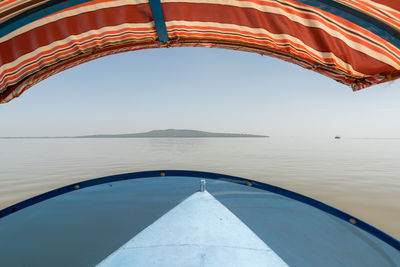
(169, 133)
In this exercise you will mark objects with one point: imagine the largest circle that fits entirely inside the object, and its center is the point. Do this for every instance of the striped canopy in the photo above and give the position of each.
(356, 42)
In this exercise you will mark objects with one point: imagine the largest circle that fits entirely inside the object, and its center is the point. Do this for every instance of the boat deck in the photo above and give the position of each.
(84, 226)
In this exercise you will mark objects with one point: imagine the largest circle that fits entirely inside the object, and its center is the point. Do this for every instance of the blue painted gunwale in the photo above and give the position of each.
(370, 23)
(163, 174)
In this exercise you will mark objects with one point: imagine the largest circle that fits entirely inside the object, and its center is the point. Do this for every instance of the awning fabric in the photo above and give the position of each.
(356, 42)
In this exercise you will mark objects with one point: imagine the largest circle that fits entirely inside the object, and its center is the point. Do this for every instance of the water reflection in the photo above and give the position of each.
(356, 175)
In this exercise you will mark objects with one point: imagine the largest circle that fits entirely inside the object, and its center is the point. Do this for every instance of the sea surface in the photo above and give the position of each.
(358, 176)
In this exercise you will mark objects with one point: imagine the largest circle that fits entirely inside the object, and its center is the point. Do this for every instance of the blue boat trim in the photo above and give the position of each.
(158, 17)
(208, 175)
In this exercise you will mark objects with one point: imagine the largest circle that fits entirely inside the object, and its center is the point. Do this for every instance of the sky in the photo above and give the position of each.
(205, 89)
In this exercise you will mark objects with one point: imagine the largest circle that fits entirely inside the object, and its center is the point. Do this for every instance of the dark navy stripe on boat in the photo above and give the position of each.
(227, 178)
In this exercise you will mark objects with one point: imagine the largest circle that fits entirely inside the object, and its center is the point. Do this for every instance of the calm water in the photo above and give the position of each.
(359, 176)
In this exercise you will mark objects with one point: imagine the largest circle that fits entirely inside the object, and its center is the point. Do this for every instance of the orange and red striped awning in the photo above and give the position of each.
(356, 42)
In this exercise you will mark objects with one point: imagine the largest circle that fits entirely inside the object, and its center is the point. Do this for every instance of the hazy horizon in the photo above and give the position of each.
(211, 90)
(200, 130)
(154, 130)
